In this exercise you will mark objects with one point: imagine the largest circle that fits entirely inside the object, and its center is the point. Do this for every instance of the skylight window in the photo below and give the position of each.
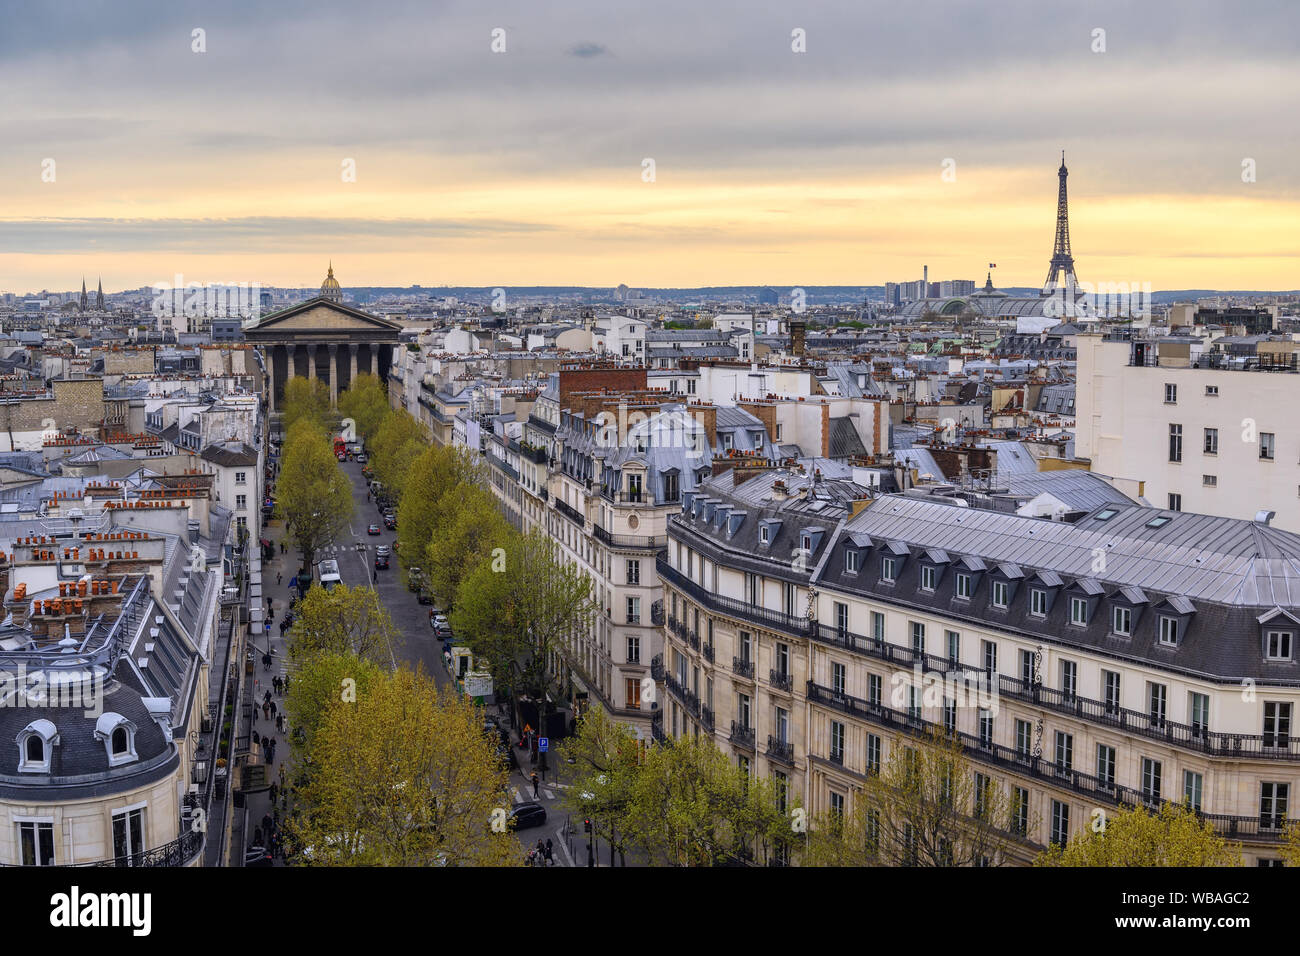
(1159, 521)
(1105, 514)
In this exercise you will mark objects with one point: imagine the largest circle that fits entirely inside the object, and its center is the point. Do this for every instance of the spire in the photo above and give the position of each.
(83, 302)
(1060, 274)
(99, 296)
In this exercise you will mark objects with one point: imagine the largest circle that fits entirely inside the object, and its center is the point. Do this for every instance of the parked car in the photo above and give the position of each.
(440, 625)
(382, 554)
(390, 522)
(527, 815)
(361, 457)
(343, 456)
(373, 529)
(258, 856)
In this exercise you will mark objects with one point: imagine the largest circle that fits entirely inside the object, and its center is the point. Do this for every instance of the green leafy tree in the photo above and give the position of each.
(313, 495)
(690, 806)
(475, 530)
(599, 766)
(1131, 836)
(403, 776)
(436, 481)
(518, 607)
(365, 402)
(306, 400)
(321, 681)
(398, 442)
(343, 620)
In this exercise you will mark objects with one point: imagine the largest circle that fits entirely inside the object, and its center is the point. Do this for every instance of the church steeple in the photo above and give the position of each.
(99, 296)
(83, 294)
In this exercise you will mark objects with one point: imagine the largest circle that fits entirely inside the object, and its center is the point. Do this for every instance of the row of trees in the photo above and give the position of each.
(313, 495)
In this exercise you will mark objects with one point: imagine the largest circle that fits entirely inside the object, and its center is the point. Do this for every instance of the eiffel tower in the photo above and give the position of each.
(1062, 261)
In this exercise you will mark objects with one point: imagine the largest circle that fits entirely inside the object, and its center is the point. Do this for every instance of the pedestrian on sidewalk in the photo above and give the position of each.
(272, 705)
(278, 577)
(266, 823)
(275, 789)
(272, 750)
(266, 711)
(535, 782)
(266, 743)
(280, 723)
(257, 837)
(550, 853)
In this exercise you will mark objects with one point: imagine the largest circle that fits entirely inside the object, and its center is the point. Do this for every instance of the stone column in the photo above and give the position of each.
(311, 362)
(334, 373)
(352, 356)
(270, 375)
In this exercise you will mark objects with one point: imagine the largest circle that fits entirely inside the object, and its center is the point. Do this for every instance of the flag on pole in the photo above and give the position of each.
(993, 265)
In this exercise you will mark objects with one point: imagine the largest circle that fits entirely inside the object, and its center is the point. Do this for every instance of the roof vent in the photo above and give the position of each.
(1263, 517)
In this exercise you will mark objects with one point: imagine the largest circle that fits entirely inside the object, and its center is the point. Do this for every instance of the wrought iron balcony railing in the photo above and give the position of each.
(742, 736)
(781, 680)
(782, 750)
(742, 668)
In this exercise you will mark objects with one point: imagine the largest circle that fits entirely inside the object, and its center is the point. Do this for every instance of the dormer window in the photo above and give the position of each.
(1001, 594)
(928, 576)
(889, 569)
(1079, 611)
(852, 561)
(1277, 645)
(118, 737)
(963, 585)
(1038, 602)
(764, 534)
(1121, 620)
(36, 743)
(1169, 631)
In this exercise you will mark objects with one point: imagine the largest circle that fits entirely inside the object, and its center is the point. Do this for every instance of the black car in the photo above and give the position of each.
(258, 856)
(390, 522)
(373, 529)
(381, 556)
(527, 815)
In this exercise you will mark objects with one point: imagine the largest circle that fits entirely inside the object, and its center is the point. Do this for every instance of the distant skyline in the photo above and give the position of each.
(476, 168)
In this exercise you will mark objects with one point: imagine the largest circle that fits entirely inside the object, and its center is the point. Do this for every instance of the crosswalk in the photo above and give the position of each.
(545, 792)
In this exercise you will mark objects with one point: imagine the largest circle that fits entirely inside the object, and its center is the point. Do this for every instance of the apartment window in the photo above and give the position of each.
(1110, 690)
(1267, 445)
(889, 570)
(851, 559)
(877, 627)
(914, 702)
(837, 803)
(790, 595)
(778, 432)
(753, 589)
(1027, 666)
(1193, 785)
(241, 478)
(1175, 442)
(872, 831)
(873, 753)
(989, 654)
(918, 637)
(1198, 709)
(742, 710)
(1069, 679)
(1277, 646)
(927, 577)
(1024, 737)
(1156, 703)
(1175, 504)
(837, 741)
(633, 649)
(1106, 764)
(782, 659)
(633, 572)
(128, 836)
(1064, 751)
(746, 646)
(783, 725)
(874, 685)
(36, 841)
(1210, 481)
(949, 715)
(1121, 620)
(837, 678)
(1019, 810)
(1169, 631)
(1060, 823)
(953, 639)
(1277, 724)
(985, 727)
(1171, 394)
(1038, 602)
(963, 586)
(1150, 778)
(763, 534)
(841, 618)
(670, 488)
(634, 610)
(1079, 611)
(1212, 390)
(983, 786)
(633, 691)
(1211, 441)
(782, 789)
(241, 502)
(1000, 594)
(1273, 804)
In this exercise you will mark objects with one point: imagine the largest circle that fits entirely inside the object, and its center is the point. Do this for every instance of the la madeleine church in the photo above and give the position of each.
(323, 338)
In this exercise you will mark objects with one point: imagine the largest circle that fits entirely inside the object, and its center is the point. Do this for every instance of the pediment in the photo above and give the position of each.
(322, 315)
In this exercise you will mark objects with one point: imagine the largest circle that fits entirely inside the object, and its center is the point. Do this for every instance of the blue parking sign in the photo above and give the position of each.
(542, 743)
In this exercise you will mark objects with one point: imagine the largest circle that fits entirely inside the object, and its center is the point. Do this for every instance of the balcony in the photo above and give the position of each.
(742, 668)
(693, 639)
(657, 614)
(657, 668)
(634, 542)
(180, 852)
(780, 750)
(538, 456)
(742, 736)
(707, 651)
(688, 699)
(707, 718)
(781, 680)
(776, 620)
(1187, 736)
(573, 514)
(985, 751)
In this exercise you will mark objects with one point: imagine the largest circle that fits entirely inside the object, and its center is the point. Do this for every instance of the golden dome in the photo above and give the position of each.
(330, 288)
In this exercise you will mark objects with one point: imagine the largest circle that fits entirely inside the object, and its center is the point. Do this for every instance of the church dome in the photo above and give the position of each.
(330, 288)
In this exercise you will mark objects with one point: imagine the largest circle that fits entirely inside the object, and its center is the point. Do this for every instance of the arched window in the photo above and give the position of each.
(120, 741)
(36, 743)
(35, 749)
(118, 736)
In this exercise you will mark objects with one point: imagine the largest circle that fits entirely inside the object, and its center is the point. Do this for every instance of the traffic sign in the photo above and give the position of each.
(542, 743)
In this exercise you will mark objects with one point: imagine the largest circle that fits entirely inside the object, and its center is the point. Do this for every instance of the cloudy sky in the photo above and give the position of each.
(528, 166)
